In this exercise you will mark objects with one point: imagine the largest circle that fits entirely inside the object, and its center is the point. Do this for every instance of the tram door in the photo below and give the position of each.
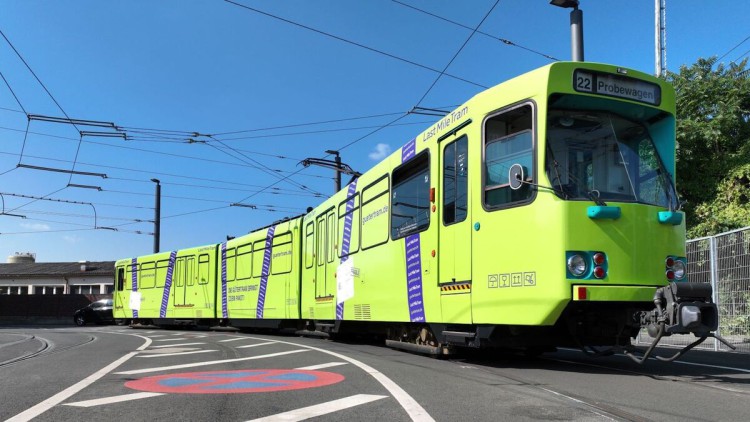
(178, 282)
(454, 252)
(325, 254)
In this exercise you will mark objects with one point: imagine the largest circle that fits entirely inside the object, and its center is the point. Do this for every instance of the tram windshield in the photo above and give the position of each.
(601, 156)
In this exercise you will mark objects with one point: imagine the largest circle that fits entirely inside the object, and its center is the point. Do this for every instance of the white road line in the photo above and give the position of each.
(321, 409)
(232, 339)
(157, 336)
(415, 411)
(161, 355)
(255, 345)
(321, 366)
(58, 398)
(213, 362)
(113, 399)
(173, 339)
(712, 366)
(175, 345)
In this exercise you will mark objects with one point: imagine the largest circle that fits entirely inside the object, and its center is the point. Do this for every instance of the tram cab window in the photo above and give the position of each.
(508, 140)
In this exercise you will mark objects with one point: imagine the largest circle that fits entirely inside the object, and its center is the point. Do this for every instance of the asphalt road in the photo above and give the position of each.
(125, 374)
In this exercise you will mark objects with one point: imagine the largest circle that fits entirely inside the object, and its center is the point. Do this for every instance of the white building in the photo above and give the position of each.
(34, 278)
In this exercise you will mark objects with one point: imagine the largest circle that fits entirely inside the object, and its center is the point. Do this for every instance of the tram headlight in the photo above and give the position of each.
(679, 270)
(577, 265)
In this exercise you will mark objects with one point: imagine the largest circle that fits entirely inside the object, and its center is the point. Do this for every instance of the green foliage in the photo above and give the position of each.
(713, 144)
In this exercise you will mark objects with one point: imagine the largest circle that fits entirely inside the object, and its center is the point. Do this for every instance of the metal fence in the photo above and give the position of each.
(724, 261)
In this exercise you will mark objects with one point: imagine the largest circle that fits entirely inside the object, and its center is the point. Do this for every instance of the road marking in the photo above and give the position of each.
(321, 409)
(415, 411)
(232, 339)
(322, 366)
(173, 339)
(175, 345)
(255, 345)
(213, 362)
(58, 398)
(157, 336)
(113, 399)
(713, 366)
(161, 355)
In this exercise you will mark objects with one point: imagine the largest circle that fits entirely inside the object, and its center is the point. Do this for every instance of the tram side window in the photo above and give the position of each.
(120, 279)
(455, 185)
(352, 233)
(243, 269)
(309, 244)
(148, 275)
(204, 267)
(508, 140)
(375, 213)
(410, 197)
(231, 263)
(162, 267)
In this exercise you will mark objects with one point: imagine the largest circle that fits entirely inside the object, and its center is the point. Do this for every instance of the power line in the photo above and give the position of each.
(353, 43)
(503, 40)
(289, 126)
(48, 93)
(734, 48)
(140, 171)
(474, 30)
(14, 94)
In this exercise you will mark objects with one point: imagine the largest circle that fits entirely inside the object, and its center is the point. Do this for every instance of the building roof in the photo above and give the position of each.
(45, 269)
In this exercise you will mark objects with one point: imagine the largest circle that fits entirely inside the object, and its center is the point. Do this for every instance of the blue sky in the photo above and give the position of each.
(165, 71)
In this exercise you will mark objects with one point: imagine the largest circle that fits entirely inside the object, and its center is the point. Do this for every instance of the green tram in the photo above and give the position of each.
(540, 213)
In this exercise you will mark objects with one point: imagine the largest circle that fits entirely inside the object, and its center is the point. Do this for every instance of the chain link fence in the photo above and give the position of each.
(724, 261)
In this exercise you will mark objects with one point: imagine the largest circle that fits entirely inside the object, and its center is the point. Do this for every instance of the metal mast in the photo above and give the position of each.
(660, 36)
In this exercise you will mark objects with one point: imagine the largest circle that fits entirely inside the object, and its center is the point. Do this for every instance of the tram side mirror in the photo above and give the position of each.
(516, 176)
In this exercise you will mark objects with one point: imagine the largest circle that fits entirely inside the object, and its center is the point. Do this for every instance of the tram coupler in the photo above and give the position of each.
(680, 308)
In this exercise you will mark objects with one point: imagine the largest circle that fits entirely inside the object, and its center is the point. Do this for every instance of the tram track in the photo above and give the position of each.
(595, 406)
(40, 347)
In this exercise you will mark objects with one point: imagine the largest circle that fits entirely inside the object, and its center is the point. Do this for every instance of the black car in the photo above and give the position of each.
(99, 312)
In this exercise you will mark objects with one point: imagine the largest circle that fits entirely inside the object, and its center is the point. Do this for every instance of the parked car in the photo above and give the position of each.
(99, 312)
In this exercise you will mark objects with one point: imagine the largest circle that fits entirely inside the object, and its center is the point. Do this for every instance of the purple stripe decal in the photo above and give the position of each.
(134, 280)
(264, 273)
(414, 278)
(346, 241)
(167, 285)
(224, 311)
(409, 150)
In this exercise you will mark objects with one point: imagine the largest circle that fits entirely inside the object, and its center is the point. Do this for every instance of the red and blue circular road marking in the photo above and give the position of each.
(233, 382)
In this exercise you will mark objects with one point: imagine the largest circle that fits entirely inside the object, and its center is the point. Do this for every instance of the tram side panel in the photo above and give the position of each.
(167, 286)
(259, 276)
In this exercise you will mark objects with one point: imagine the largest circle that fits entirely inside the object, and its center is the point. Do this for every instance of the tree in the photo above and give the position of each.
(713, 145)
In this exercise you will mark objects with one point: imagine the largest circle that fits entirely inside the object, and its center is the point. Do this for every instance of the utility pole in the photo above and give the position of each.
(336, 164)
(337, 160)
(660, 36)
(157, 215)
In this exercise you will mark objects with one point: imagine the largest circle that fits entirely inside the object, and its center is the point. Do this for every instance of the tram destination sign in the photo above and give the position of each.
(616, 86)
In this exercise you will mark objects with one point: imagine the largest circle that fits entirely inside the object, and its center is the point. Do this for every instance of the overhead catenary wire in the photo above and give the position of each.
(734, 48)
(140, 171)
(45, 90)
(393, 56)
(503, 40)
(474, 31)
